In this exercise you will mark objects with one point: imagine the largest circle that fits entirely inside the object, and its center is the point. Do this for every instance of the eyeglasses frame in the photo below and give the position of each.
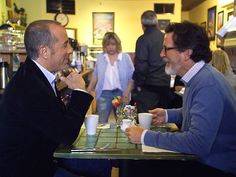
(168, 48)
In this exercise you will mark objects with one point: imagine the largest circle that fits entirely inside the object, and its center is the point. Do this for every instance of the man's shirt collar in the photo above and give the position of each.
(50, 76)
(193, 71)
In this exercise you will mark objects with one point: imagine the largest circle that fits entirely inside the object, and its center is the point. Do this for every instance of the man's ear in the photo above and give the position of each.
(43, 52)
(188, 53)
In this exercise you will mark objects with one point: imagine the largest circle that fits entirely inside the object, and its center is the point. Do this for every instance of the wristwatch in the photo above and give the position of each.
(62, 18)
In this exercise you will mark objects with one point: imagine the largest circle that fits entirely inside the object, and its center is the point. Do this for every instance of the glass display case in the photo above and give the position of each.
(94, 51)
(11, 39)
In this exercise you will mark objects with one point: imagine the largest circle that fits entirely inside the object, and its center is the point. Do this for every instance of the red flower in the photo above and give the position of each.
(116, 101)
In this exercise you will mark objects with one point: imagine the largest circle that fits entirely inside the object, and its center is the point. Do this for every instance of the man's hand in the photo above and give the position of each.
(74, 81)
(159, 116)
(134, 134)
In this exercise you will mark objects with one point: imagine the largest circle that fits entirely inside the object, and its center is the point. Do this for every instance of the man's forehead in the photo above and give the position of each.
(59, 32)
(168, 37)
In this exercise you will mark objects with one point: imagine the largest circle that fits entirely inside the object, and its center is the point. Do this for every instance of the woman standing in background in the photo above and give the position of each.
(112, 76)
(220, 61)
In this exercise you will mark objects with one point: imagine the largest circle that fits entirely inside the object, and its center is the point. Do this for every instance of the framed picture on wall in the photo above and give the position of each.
(63, 6)
(163, 24)
(8, 3)
(220, 20)
(211, 23)
(102, 22)
(230, 15)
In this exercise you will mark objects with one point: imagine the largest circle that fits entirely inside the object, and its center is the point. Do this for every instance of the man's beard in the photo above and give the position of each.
(170, 69)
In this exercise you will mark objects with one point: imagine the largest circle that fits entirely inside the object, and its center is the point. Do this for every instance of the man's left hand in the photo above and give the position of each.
(134, 134)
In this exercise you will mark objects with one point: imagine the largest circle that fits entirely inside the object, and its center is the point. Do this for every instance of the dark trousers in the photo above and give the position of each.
(84, 167)
(197, 169)
(166, 168)
(62, 172)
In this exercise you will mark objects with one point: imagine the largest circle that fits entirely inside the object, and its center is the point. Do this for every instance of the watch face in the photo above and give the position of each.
(62, 18)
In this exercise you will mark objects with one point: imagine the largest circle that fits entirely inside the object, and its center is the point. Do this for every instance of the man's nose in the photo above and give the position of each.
(70, 49)
(162, 54)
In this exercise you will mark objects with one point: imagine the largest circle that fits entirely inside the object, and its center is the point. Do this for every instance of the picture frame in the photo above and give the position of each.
(211, 23)
(62, 6)
(71, 33)
(230, 15)
(102, 22)
(163, 23)
(8, 3)
(220, 21)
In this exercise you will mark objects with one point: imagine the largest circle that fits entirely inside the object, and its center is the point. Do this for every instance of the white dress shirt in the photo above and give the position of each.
(112, 80)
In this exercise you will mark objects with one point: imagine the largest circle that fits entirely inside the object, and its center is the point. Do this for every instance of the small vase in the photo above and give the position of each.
(119, 115)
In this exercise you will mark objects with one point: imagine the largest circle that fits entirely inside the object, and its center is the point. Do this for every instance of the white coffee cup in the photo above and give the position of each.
(91, 122)
(125, 124)
(145, 120)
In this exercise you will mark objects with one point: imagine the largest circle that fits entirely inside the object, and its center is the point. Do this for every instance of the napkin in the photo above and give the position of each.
(103, 126)
(100, 126)
(146, 148)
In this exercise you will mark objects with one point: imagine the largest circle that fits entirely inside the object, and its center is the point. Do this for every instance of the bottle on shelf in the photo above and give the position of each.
(78, 64)
(76, 60)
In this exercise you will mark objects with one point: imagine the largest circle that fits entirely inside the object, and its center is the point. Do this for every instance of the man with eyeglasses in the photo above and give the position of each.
(152, 84)
(208, 115)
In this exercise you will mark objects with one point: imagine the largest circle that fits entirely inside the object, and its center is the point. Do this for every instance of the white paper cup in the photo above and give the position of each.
(125, 124)
(91, 122)
(145, 120)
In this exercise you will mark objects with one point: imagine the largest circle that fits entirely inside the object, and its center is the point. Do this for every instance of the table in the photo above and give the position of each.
(118, 147)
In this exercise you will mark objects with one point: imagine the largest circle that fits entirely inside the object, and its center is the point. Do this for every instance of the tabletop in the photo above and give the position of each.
(112, 143)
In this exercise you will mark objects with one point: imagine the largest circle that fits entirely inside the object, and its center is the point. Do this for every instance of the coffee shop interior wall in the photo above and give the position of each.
(127, 16)
(2, 11)
(126, 23)
(199, 13)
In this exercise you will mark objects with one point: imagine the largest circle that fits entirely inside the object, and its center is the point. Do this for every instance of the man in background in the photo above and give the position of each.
(152, 84)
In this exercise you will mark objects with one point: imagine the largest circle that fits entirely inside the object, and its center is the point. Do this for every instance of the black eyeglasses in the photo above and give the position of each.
(168, 48)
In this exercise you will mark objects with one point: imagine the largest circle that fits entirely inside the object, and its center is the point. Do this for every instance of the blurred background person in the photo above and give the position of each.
(112, 76)
(220, 61)
(152, 84)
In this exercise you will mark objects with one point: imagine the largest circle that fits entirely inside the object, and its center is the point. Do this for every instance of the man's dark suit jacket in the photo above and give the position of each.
(33, 122)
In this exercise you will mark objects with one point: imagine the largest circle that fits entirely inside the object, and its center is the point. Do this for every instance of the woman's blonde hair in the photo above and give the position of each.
(220, 61)
(107, 39)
